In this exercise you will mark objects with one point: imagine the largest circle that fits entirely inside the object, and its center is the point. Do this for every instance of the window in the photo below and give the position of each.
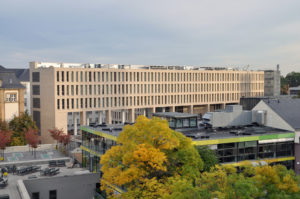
(179, 123)
(36, 76)
(52, 194)
(37, 119)
(36, 89)
(36, 195)
(193, 122)
(63, 90)
(11, 97)
(36, 103)
(186, 123)
(57, 76)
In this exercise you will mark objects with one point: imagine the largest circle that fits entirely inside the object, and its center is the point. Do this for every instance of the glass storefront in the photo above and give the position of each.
(252, 150)
(98, 145)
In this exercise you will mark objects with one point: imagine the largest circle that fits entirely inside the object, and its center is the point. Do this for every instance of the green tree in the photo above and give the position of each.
(209, 157)
(250, 182)
(290, 80)
(20, 125)
(147, 156)
(293, 79)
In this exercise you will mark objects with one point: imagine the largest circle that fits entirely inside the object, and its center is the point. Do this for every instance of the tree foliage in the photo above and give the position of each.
(148, 155)
(5, 138)
(273, 182)
(290, 80)
(152, 161)
(60, 137)
(33, 139)
(208, 156)
(56, 133)
(20, 125)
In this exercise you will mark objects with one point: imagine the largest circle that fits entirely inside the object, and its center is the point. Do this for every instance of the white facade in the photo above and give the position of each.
(27, 100)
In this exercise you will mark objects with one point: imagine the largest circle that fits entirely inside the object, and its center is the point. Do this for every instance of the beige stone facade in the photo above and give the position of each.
(120, 93)
(11, 96)
(11, 103)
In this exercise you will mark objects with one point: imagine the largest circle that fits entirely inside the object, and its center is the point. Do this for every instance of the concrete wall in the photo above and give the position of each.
(272, 118)
(272, 83)
(297, 158)
(233, 116)
(73, 187)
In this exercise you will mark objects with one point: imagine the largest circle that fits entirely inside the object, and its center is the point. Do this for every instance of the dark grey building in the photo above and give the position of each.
(75, 186)
(283, 114)
(272, 82)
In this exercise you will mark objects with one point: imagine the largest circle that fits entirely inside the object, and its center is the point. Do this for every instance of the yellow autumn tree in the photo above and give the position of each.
(224, 182)
(147, 155)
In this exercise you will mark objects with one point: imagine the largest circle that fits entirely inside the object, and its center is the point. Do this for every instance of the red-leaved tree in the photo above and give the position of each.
(5, 138)
(65, 140)
(56, 134)
(33, 139)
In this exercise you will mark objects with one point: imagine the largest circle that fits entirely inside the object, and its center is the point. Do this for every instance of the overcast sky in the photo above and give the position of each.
(231, 33)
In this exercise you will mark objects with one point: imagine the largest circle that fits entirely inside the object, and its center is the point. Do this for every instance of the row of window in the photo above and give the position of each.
(103, 102)
(252, 150)
(149, 88)
(71, 76)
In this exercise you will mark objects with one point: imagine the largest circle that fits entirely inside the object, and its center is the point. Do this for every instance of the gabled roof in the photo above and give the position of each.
(288, 109)
(21, 73)
(9, 80)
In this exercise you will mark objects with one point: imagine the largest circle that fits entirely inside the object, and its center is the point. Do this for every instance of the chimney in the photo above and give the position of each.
(277, 67)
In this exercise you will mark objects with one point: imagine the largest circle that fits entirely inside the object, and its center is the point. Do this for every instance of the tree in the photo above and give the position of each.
(293, 79)
(32, 138)
(208, 156)
(56, 134)
(147, 156)
(20, 125)
(65, 140)
(5, 138)
(250, 182)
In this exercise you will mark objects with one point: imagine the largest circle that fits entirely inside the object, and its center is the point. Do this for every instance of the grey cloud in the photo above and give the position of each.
(206, 32)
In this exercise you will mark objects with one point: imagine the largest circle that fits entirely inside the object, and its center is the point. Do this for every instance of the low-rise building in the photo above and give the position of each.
(234, 142)
(11, 96)
(22, 75)
(294, 90)
(283, 114)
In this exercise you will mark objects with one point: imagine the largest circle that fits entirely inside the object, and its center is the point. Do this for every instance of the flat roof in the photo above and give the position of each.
(12, 190)
(200, 136)
(111, 131)
(135, 66)
(203, 136)
(174, 114)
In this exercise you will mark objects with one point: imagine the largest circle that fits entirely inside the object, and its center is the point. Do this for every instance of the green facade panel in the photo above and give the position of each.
(244, 139)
